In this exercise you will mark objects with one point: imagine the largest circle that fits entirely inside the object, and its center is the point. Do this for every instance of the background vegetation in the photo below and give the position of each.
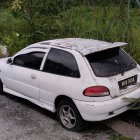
(24, 22)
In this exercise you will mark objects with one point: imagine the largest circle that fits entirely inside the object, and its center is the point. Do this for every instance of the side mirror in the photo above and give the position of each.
(9, 61)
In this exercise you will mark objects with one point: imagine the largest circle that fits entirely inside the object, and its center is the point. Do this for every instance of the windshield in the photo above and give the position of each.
(110, 62)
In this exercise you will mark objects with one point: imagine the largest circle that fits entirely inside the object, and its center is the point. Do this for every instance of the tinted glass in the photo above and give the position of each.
(30, 60)
(110, 62)
(62, 63)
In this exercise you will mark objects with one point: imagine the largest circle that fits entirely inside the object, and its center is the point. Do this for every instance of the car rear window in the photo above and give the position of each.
(110, 62)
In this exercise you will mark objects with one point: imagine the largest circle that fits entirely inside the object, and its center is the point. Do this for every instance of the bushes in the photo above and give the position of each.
(13, 31)
(107, 23)
(33, 21)
(135, 103)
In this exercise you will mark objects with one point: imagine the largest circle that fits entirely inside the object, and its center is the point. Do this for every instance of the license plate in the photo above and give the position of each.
(126, 82)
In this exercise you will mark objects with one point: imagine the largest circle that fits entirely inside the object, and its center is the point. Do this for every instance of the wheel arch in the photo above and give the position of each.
(60, 98)
(68, 101)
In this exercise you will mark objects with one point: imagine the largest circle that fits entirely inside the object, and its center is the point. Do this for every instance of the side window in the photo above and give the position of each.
(31, 60)
(62, 63)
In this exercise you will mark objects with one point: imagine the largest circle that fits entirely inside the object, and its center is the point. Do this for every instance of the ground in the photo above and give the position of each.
(23, 120)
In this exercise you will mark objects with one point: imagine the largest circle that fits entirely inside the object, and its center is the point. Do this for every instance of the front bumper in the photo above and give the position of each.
(97, 111)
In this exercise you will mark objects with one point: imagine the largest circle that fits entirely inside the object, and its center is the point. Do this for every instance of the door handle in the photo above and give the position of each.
(33, 76)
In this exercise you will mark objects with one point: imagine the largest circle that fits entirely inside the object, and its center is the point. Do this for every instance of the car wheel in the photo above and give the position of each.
(69, 116)
(1, 87)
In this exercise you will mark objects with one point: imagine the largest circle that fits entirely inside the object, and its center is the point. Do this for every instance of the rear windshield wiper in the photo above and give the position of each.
(130, 64)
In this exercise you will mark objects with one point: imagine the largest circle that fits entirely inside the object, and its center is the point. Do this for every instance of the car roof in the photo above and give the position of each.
(84, 46)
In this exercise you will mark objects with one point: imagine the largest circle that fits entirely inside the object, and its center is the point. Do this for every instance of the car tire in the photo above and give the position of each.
(69, 116)
(1, 87)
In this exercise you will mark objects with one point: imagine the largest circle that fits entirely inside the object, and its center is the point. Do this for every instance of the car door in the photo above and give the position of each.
(22, 75)
(59, 74)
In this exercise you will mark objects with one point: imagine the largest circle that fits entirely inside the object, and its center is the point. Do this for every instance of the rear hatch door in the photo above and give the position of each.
(114, 69)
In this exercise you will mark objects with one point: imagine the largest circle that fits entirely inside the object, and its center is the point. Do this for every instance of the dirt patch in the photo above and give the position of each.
(20, 119)
(131, 117)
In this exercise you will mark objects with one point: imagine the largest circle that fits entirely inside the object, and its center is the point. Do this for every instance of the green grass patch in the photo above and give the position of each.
(107, 23)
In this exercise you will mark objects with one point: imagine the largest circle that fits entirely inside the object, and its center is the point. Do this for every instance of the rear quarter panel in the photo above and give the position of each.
(74, 87)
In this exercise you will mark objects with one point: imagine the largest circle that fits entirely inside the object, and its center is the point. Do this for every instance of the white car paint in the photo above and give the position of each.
(98, 111)
(46, 87)
(84, 46)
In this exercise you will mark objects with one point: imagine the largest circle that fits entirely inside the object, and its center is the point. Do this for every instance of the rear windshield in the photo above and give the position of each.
(110, 62)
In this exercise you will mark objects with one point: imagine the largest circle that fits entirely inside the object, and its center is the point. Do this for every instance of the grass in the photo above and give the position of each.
(107, 23)
(104, 23)
(118, 137)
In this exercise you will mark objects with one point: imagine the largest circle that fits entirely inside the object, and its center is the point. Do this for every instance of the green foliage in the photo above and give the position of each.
(15, 42)
(5, 3)
(93, 22)
(117, 137)
(13, 31)
(16, 4)
(135, 103)
(29, 21)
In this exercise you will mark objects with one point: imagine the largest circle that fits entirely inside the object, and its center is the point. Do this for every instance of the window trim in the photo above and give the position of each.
(78, 77)
(29, 53)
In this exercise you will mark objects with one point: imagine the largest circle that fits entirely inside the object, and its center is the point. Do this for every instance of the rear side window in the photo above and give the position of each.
(110, 62)
(61, 63)
(31, 60)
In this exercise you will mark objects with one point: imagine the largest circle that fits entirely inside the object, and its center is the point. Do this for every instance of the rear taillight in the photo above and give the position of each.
(96, 91)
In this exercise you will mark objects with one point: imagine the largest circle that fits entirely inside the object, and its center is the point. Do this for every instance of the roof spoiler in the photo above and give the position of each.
(103, 47)
(118, 44)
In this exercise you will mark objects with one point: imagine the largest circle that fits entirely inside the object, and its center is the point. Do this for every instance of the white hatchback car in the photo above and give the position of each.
(80, 79)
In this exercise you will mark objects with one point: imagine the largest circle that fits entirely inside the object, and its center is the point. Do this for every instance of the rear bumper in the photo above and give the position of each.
(97, 111)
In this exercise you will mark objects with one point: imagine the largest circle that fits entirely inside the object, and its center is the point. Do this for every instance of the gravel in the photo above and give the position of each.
(23, 120)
